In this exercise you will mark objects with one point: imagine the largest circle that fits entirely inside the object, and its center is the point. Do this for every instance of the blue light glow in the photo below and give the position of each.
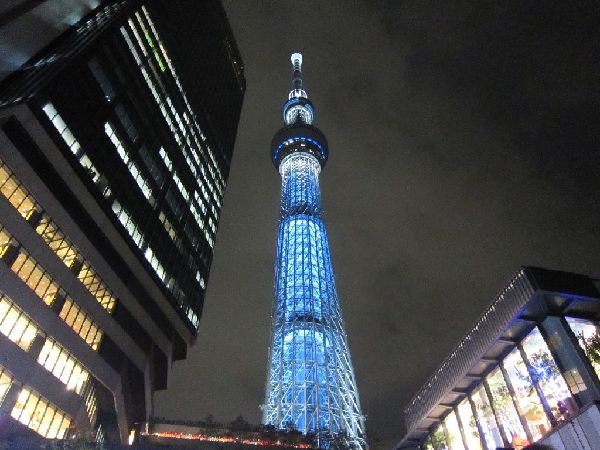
(311, 382)
(299, 139)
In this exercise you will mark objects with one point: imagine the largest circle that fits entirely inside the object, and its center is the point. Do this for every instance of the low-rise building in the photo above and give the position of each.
(527, 372)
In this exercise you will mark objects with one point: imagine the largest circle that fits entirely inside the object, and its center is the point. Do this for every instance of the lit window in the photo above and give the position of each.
(505, 410)
(56, 240)
(94, 284)
(470, 430)
(75, 148)
(453, 432)
(6, 241)
(486, 419)
(526, 396)
(133, 169)
(159, 60)
(194, 127)
(32, 274)
(5, 383)
(14, 192)
(35, 412)
(79, 322)
(588, 337)
(548, 377)
(15, 324)
(43, 285)
(63, 366)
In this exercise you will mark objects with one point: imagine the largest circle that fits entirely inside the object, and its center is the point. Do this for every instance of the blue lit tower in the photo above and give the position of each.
(311, 384)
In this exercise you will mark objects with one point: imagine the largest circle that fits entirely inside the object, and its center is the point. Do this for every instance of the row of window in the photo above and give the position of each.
(147, 192)
(129, 224)
(217, 178)
(517, 403)
(66, 134)
(133, 229)
(17, 326)
(63, 366)
(192, 205)
(124, 216)
(46, 288)
(12, 188)
(37, 413)
(33, 275)
(131, 165)
(34, 411)
(174, 130)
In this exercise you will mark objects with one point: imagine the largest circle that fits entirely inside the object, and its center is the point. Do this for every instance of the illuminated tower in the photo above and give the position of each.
(311, 384)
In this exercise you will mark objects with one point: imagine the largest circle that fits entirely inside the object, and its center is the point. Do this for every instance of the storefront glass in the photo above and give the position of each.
(527, 399)
(485, 415)
(453, 432)
(505, 410)
(548, 376)
(469, 426)
(438, 439)
(587, 335)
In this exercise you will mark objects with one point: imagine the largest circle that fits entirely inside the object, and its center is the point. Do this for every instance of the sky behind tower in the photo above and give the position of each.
(463, 144)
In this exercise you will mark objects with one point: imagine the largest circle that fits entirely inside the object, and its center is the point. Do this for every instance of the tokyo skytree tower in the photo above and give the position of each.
(311, 385)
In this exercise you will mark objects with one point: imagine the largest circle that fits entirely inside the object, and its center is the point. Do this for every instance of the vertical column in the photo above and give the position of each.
(537, 387)
(512, 394)
(10, 398)
(495, 413)
(460, 426)
(570, 358)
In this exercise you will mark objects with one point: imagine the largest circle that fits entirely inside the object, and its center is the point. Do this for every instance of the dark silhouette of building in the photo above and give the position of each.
(116, 143)
(527, 372)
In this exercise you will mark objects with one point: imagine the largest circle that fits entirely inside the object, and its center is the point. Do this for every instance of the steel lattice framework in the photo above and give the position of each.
(311, 385)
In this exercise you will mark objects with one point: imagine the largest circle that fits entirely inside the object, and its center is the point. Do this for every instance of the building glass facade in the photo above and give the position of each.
(115, 149)
(528, 401)
(588, 338)
(543, 373)
(509, 406)
(470, 431)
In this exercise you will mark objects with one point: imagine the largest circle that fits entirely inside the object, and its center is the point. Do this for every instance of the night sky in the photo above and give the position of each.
(464, 142)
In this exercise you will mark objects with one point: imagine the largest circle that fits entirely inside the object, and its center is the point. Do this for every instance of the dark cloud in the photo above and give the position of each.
(464, 143)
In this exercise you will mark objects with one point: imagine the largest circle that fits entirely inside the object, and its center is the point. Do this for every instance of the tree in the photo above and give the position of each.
(591, 346)
(544, 367)
(240, 424)
(209, 420)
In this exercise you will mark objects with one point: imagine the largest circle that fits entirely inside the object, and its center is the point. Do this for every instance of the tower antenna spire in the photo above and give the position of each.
(297, 82)
(297, 76)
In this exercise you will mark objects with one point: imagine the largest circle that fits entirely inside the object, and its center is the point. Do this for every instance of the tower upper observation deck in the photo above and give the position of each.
(298, 134)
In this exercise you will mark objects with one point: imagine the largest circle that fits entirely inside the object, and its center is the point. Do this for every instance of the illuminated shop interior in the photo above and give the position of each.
(525, 373)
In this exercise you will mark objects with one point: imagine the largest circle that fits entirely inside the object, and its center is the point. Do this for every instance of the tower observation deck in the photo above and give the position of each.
(311, 385)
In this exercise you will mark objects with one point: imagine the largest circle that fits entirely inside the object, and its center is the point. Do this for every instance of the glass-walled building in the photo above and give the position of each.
(527, 372)
(115, 147)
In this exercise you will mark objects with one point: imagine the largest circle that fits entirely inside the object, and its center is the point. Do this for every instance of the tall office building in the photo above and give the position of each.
(115, 146)
(311, 384)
